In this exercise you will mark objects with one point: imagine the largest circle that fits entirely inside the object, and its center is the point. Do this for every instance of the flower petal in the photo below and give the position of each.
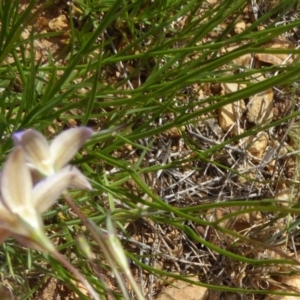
(79, 181)
(16, 189)
(36, 150)
(23, 222)
(16, 184)
(65, 145)
(7, 219)
(47, 191)
(30, 220)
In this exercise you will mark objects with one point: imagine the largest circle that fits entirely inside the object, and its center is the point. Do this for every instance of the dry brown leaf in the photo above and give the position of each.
(283, 196)
(277, 59)
(229, 114)
(258, 144)
(243, 60)
(59, 24)
(232, 87)
(174, 132)
(280, 44)
(293, 282)
(288, 284)
(261, 108)
(274, 59)
(72, 122)
(181, 290)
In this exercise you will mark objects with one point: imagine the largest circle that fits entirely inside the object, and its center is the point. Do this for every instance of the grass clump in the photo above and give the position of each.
(194, 160)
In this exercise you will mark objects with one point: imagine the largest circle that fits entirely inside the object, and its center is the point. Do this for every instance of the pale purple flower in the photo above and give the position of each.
(21, 204)
(48, 158)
